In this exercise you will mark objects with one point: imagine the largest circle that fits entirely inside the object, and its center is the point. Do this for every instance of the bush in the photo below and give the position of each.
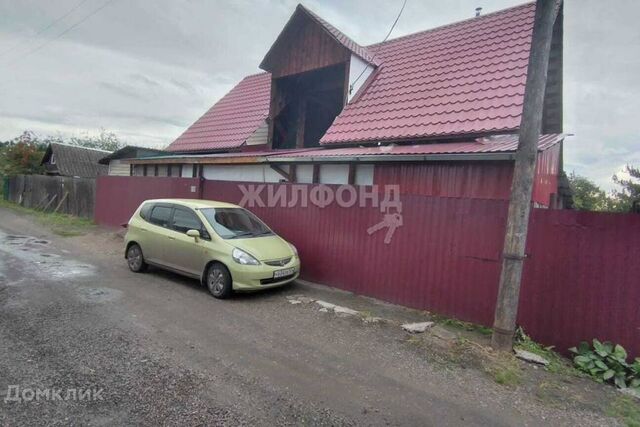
(607, 363)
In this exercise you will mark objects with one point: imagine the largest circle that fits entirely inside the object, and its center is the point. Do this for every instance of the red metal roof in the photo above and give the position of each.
(464, 78)
(496, 144)
(231, 120)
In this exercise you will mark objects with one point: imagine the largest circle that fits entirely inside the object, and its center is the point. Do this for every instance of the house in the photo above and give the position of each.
(436, 112)
(71, 160)
(115, 160)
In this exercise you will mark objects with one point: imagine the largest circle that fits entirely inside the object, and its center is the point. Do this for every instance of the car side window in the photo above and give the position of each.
(161, 215)
(185, 220)
(144, 211)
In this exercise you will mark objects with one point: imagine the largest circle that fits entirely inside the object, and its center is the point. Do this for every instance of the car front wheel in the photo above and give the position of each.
(135, 259)
(219, 281)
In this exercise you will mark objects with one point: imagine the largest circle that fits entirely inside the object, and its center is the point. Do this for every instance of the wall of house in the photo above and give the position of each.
(304, 46)
(118, 168)
(187, 170)
(484, 180)
(477, 179)
(260, 136)
(241, 173)
(359, 72)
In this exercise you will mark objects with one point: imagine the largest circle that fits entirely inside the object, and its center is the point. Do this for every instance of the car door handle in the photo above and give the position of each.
(171, 238)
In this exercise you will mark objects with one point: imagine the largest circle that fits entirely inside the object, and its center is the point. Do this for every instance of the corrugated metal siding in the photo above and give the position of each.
(580, 277)
(450, 268)
(117, 197)
(483, 180)
(546, 180)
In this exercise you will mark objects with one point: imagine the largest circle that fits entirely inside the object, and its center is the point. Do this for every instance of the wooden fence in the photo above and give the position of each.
(74, 196)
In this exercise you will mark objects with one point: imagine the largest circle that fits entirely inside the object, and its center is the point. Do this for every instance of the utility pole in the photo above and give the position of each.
(523, 175)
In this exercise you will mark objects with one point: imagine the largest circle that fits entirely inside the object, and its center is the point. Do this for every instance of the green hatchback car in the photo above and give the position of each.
(223, 245)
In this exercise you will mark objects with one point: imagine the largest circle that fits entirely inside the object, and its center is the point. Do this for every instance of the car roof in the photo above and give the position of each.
(195, 203)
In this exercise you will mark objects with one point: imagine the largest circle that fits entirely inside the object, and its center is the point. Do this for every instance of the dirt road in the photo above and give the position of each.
(162, 351)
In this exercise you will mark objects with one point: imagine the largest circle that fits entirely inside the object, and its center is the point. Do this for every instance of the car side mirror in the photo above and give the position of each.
(193, 233)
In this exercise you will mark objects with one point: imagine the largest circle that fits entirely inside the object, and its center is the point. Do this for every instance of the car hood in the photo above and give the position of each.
(264, 248)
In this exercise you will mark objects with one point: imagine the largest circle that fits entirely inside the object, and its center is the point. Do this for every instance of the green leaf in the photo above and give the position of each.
(581, 359)
(583, 347)
(601, 364)
(620, 381)
(635, 383)
(608, 374)
(573, 350)
(620, 352)
(608, 346)
(600, 349)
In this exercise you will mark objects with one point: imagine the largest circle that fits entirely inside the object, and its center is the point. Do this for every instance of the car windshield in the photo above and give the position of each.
(233, 223)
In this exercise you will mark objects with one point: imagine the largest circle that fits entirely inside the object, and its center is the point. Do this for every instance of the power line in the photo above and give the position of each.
(385, 39)
(37, 48)
(42, 30)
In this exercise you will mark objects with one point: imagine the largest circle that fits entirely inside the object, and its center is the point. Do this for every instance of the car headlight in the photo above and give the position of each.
(241, 257)
(293, 248)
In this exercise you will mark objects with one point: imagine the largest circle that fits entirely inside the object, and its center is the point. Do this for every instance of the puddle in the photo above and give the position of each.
(48, 265)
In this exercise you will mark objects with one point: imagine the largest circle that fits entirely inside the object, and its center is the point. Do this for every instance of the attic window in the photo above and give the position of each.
(52, 159)
(309, 102)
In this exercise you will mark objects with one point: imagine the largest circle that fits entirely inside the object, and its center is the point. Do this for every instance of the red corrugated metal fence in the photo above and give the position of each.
(581, 275)
(117, 197)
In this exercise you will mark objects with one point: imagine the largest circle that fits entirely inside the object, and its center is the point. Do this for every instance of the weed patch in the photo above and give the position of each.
(61, 224)
(557, 363)
(627, 410)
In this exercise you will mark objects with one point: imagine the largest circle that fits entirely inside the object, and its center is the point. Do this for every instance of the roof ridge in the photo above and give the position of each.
(453, 24)
(79, 146)
(255, 74)
(362, 51)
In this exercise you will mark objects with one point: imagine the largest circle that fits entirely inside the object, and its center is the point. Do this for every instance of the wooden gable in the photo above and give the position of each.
(303, 45)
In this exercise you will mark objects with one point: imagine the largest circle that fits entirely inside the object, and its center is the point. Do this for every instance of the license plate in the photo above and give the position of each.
(282, 273)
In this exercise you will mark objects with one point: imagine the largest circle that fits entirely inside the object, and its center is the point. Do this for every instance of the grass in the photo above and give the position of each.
(459, 324)
(627, 410)
(506, 375)
(503, 368)
(61, 224)
(557, 363)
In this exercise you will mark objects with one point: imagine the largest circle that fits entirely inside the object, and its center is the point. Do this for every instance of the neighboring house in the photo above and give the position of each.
(117, 165)
(436, 112)
(71, 160)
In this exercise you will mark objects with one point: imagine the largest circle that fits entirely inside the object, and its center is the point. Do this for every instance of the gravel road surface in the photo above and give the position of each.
(162, 351)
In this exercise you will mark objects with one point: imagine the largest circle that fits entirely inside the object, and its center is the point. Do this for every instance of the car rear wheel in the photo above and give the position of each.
(135, 259)
(219, 281)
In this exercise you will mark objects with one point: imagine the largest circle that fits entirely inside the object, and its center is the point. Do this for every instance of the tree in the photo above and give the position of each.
(587, 196)
(628, 198)
(22, 155)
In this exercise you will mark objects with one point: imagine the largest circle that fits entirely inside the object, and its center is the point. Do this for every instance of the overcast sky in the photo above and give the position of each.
(147, 69)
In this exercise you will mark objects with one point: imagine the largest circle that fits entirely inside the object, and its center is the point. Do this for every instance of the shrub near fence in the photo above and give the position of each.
(74, 196)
